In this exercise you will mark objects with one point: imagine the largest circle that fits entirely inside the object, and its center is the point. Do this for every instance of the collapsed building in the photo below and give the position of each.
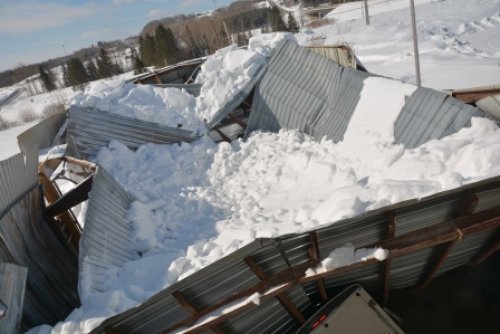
(312, 90)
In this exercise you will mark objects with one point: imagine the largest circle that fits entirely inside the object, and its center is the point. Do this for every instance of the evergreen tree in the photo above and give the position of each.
(76, 72)
(166, 48)
(276, 20)
(148, 51)
(104, 65)
(293, 26)
(92, 70)
(138, 65)
(47, 79)
(162, 53)
(65, 75)
(175, 51)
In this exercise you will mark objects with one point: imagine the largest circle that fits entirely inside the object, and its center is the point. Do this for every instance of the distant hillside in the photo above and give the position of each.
(11, 77)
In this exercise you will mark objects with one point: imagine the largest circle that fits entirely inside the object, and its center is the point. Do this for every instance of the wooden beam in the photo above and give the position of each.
(315, 255)
(487, 251)
(386, 276)
(282, 298)
(236, 120)
(442, 257)
(184, 302)
(438, 234)
(391, 220)
(468, 204)
(72, 198)
(233, 313)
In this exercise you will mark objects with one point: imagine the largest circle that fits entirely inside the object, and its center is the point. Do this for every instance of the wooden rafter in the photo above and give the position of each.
(282, 297)
(315, 255)
(439, 234)
(184, 302)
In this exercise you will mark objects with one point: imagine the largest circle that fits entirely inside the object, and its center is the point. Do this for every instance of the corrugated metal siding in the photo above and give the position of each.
(106, 236)
(42, 134)
(429, 114)
(230, 274)
(305, 91)
(12, 287)
(28, 240)
(18, 175)
(90, 129)
(490, 105)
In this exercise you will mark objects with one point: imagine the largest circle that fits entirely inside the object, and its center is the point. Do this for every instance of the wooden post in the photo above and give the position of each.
(12, 287)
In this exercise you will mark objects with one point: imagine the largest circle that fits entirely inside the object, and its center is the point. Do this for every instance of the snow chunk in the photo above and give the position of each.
(345, 256)
(165, 106)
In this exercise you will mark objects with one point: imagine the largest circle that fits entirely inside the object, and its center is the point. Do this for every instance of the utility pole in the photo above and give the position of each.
(415, 43)
(366, 13)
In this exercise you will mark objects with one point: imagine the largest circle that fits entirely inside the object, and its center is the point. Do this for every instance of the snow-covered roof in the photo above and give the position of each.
(305, 91)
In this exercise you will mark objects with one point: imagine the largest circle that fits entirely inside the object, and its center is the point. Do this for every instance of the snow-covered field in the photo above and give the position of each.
(196, 203)
(459, 41)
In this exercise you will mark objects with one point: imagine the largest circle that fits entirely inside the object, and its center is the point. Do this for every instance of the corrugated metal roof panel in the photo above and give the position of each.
(18, 175)
(29, 240)
(42, 134)
(429, 114)
(490, 105)
(90, 129)
(305, 91)
(105, 241)
(205, 287)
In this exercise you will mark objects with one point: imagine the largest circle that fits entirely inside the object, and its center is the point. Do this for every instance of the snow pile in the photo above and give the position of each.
(227, 72)
(199, 202)
(222, 76)
(166, 106)
(345, 256)
(459, 40)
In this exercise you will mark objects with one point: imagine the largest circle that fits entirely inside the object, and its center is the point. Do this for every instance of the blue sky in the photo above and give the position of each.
(35, 30)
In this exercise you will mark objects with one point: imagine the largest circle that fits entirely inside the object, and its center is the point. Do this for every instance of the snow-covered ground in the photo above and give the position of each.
(196, 203)
(459, 40)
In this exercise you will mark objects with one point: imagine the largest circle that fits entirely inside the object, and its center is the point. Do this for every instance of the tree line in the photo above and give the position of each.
(201, 36)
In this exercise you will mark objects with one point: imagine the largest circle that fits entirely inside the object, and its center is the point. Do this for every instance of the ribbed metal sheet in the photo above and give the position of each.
(30, 241)
(90, 129)
(230, 274)
(429, 114)
(490, 105)
(105, 241)
(42, 134)
(12, 288)
(305, 91)
(18, 175)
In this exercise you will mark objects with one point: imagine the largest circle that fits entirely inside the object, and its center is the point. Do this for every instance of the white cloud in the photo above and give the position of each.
(96, 33)
(155, 13)
(122, 2)
(189, 3)
(31, 15)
